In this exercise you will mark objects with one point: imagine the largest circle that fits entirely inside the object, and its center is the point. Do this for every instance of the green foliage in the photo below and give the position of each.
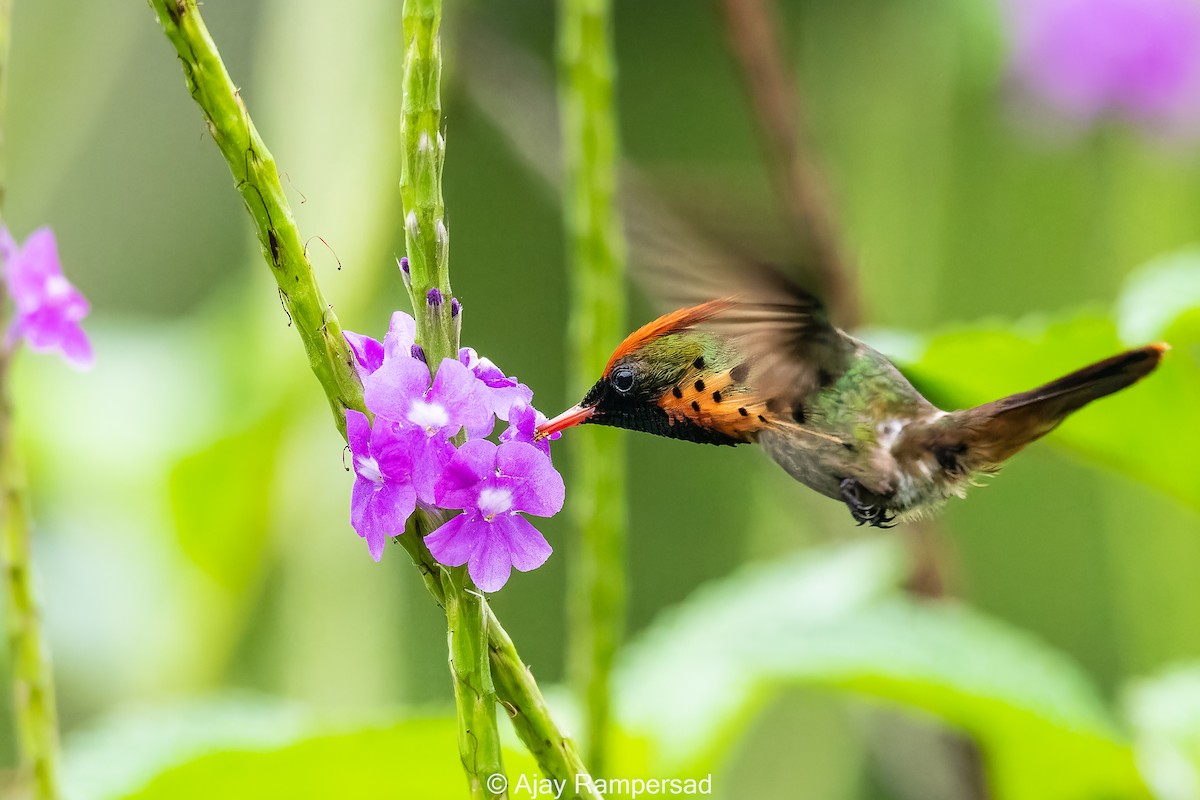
(245, 747)
(1165, 712)
(405, 759)
(1042, 727)
(221, 522)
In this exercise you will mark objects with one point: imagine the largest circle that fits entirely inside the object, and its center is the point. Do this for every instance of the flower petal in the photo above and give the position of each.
(430, 456)
(527, 548)
(390, 390)
(453, 543)
(394, 448)
(523, 421)
(490, 564)
(77, 348)
(367, 352)
(379, 512)
(28, 270)
(402, 333)
(536, 486)
(462, 395)
(358, 432)
(472, 465)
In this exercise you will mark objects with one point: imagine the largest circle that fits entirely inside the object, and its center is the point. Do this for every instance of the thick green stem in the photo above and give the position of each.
(597, 312)
(425, 232)
(428, 240)
(33, 677)
(211, 87)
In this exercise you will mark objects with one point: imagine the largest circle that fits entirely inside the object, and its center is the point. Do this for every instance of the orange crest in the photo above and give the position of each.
(676, 321)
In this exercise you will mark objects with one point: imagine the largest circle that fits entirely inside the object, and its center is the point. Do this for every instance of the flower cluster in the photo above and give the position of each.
(1087, 58)
(47, 309)
(407, 457)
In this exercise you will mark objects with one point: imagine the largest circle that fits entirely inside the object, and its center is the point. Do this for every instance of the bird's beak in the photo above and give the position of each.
(569, 418)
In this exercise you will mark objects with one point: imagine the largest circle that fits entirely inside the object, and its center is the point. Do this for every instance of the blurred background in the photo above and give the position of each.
(207, 599)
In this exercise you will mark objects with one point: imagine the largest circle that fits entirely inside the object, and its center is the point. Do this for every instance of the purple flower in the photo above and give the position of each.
(384, 496)
(400, 391)
(504, 392)
(48, 309)
(369, 353)
(523, 422)
(492, 484)
(1087, 58)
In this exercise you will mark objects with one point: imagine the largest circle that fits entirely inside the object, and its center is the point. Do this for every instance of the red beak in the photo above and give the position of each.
(569, 418)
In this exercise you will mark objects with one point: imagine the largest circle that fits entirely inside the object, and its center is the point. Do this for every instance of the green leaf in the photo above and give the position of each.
(701, 671)
(1165, 711)
(219, 499)
(413, 758)
(262, 749)
(124, 751)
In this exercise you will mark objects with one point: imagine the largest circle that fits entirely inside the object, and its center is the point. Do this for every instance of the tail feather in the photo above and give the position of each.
(980, 439)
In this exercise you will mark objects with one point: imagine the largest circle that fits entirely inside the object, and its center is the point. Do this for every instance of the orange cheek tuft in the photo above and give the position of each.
(716, 402)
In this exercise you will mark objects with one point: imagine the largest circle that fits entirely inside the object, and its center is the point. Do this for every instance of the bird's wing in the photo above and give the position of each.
(789, 345)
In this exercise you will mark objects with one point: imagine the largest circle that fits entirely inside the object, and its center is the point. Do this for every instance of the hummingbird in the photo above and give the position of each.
(764, 365)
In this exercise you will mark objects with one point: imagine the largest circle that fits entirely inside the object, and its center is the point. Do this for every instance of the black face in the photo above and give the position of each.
(628, 398)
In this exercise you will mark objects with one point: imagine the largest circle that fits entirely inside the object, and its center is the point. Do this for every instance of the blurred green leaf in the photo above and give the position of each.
(219, 499)
(125, 750)
(1158, 294)
(414, 758)
(702, 670)
(1165, 711)
(261, 748)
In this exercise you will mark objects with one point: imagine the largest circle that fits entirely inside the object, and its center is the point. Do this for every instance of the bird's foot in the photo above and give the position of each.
(865, 506)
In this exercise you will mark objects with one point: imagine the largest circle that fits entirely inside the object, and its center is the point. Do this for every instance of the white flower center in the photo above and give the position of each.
(429, 416)
(494, 501)
(368, 467)
(57, 287)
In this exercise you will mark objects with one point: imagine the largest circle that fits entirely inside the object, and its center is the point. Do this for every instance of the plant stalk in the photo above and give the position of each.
(33, 676)
(427, 242)
(331, 362)
(597, 255)
(34, 702)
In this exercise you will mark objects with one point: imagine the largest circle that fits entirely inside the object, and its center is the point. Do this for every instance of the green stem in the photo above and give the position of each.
(33, 677)
(426, 236)
(211, 87)
(427, 242)
(586, 71)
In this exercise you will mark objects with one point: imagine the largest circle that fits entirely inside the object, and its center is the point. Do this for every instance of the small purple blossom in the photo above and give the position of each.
(408, 456)
(48, 309)
(369, 353)
(384, 495)
(523, 422)
(400, 391)
(493, 485)
(504, 392)
(1087, 58)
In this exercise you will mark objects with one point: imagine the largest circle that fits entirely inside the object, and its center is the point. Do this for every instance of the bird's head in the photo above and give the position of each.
(671, 378)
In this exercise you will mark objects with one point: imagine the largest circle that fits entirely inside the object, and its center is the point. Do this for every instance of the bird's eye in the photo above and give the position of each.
(622, 380)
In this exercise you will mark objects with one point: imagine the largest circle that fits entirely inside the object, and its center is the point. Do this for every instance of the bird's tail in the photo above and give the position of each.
(980, 439)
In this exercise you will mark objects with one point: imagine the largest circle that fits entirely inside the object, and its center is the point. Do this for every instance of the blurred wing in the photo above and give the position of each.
(784, 332)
